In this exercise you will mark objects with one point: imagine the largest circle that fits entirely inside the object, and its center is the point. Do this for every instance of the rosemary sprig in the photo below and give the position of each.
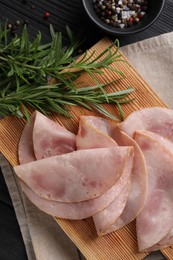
(53, 98)
(27, 66)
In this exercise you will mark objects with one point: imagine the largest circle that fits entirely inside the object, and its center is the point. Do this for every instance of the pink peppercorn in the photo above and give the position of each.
(46, 14)
(131, 19)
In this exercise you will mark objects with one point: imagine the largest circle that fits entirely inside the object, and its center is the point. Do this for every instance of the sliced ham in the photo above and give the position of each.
(93, 133)
(43, 138)
(164, 242)
(94, 129)
(76, 210)
(105, 218)
(76, 176)
(97, 132)
(155, 220)
(25, 148)
(50, 138)
(155, 119)
(82, 209)
(139, 181)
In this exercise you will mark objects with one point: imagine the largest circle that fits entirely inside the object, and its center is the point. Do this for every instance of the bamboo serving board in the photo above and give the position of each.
(118, 245)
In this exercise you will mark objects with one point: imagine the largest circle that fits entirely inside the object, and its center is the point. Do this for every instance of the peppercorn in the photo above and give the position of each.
(46, 15)
(103, 7)
(136, 20)
(17, 23)
(131, 19)
(120, 13)
(108, 13)
(9, 25)
(107, 21)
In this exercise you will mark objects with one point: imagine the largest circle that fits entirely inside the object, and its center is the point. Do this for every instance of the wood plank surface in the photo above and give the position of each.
(123, 243)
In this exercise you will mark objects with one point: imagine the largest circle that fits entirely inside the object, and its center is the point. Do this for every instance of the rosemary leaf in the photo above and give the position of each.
(104, 112)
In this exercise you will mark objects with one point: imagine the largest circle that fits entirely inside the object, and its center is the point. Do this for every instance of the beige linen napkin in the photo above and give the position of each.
(43, 238)
(153, 59)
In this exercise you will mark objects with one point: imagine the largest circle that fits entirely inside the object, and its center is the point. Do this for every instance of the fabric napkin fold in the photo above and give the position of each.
(43, 238)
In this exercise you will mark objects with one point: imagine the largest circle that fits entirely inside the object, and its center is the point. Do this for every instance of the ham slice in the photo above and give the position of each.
(25, 148)
(164, 242)
(79, 210)
(76, 210)
(42, 138)
(50, 138)
(105, 218)
(155, 220)
(93, 133)
(82, 209)
(97, 132)
(139, 181)
(76, 176)
(90, 128)
(155, 119)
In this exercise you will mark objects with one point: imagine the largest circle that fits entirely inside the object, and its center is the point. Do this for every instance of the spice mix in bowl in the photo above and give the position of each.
(123, 17)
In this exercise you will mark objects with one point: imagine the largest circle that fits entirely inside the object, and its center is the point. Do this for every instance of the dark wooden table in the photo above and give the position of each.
(62, 13)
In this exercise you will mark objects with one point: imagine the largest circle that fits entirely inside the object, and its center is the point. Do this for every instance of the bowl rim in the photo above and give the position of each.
(112, 30)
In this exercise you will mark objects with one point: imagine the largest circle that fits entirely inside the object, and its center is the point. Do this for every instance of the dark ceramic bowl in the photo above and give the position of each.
(154, 9)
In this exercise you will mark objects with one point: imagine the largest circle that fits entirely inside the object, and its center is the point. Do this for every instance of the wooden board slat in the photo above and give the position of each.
(117, 245)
